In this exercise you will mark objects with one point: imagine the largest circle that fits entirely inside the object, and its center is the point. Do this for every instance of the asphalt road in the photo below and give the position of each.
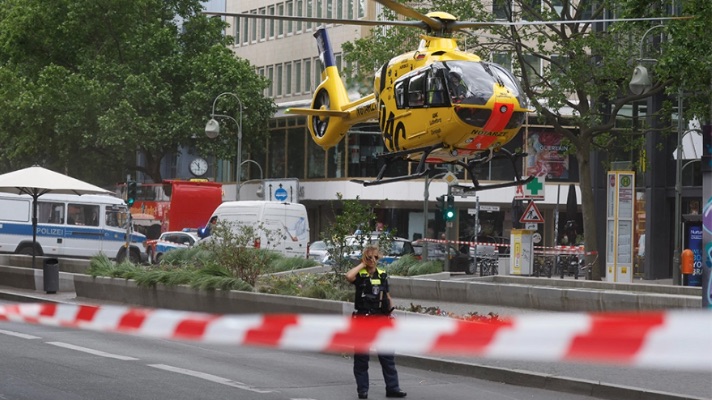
(39, 362)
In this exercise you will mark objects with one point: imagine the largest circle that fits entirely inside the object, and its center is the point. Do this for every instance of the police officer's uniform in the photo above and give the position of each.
(372, 299)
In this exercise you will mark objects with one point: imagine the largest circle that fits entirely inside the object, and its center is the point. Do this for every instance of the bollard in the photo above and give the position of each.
(50, 275)
(687, 263)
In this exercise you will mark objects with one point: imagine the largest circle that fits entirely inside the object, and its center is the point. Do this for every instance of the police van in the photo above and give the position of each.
(286, 222)
(68, 226)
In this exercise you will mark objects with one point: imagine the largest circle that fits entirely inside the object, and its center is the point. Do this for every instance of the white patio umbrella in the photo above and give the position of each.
(36, 181)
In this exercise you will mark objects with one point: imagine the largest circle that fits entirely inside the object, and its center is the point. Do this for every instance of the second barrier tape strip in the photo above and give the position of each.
(674, 339)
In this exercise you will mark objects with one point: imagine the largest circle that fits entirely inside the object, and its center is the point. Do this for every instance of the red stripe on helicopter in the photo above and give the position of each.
(501, 113)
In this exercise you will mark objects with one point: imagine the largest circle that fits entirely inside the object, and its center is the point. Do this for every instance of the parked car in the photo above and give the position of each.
(168, 241)
(398, 248)
(459, 261)
(319, 252)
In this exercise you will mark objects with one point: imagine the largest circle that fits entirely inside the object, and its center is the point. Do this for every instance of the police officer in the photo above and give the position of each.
(372, 298)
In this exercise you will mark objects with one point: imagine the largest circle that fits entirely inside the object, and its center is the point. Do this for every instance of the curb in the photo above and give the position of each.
(530, 379)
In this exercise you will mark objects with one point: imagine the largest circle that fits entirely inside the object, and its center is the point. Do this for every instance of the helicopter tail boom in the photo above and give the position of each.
(332, 113)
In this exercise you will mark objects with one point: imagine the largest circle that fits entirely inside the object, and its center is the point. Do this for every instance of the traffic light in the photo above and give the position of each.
(131, 192)
(441, 204)
(449, 210)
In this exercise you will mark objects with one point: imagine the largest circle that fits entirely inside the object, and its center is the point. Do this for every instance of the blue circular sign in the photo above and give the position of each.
(280, 194)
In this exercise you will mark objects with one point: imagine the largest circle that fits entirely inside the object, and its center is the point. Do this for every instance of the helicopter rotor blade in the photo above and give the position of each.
(416, 24)
(432, 23)
(460, 25)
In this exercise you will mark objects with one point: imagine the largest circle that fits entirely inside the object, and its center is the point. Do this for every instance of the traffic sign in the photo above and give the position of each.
(450, 179)
(531, 214)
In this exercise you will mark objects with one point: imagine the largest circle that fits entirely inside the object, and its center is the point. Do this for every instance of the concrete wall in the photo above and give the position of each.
(532, 293)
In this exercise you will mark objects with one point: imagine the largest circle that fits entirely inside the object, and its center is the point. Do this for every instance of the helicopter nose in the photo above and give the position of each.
(501, 113)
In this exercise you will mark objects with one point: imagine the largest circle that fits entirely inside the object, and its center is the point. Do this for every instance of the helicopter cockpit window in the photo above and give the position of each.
(416, 91)
(400, 95)
(470, 83)
(436, 90)
(511, 82)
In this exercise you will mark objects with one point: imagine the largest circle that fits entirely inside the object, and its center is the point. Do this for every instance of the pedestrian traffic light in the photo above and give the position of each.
(131, 192)
(450, 209)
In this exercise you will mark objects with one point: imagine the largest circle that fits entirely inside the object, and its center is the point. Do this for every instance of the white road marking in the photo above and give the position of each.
(209, 377)
(19, 334)
(91, 351)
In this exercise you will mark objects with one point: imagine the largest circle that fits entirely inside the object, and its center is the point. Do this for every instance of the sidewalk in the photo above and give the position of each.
(599, 381)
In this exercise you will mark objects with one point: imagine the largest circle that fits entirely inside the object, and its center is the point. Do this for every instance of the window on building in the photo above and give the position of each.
(307, 76)
(361, 8)
(270, 77)
(277, 160)
(532, 69)
(271, 23)
(339, 8)
(296, 150)
(263, 25)
(310, 13)
(502, 9)
(245, 31)
(288, 78)
(338, 60)
(350, 9)
(254, 23)
(557, 6)
(316, 158)
(330, 8)
(280, 23)
(298, 11)
(335, 161)
(236, 30)
(290, 11)
(319, 8)
(503, 59)
(279, 77)
(297, 77)
(531, 10)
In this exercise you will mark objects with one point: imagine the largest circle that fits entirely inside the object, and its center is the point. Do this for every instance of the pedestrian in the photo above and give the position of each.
(372, 298)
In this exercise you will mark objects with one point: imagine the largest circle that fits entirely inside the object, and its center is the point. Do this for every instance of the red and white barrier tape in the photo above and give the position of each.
(676, 339)
(568, 250)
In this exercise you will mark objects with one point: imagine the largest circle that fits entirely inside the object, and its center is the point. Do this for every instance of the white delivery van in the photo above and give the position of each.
(68, 226)
(287, 222)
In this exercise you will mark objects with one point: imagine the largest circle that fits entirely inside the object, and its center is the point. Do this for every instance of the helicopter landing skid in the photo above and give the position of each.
(470, 166)
(501, 153)
(389, 157)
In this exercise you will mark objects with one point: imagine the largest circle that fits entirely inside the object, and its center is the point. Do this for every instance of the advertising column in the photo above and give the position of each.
(619, 226)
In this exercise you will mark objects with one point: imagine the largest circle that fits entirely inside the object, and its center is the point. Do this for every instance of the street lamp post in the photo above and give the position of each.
(239, 188)
(212, 130)
(639, 84)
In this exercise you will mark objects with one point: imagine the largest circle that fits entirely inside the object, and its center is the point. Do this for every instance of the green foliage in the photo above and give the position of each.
(86, 83)
(408, 265)
(230, 248)
(320, 286)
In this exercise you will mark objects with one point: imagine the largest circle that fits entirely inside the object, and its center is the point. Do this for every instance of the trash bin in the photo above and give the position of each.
(50, 273)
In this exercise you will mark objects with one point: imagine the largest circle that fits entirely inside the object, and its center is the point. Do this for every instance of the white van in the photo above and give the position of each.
(288, 223)
(68, 226)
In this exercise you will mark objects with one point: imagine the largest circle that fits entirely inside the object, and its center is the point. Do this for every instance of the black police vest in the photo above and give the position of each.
(371, 292)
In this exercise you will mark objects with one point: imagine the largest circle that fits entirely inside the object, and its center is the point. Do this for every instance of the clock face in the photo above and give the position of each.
(198, 166)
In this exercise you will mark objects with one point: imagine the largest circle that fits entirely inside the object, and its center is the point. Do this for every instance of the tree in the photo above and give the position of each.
(586, 69)
(88, 83)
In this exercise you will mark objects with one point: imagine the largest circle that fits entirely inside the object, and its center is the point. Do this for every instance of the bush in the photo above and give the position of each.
(408, 265)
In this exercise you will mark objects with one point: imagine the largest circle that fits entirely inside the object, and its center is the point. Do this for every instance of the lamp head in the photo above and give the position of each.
(640, 83)
(212, 128)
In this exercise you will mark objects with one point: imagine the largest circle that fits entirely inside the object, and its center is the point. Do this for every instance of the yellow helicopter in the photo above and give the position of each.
(435, 105)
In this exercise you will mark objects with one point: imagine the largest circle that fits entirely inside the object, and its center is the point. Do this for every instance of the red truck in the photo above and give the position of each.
(174, 205)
